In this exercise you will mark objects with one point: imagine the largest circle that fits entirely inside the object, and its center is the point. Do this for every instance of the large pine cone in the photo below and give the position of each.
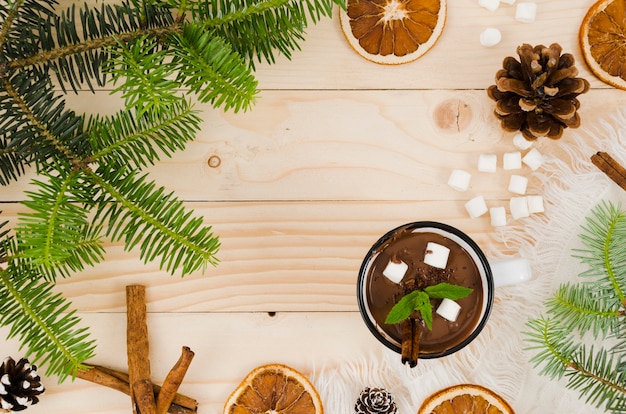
(19, 385)
(537, 94)
(375, 401)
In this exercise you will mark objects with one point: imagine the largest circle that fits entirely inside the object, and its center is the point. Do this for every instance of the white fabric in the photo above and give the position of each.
(571, 186)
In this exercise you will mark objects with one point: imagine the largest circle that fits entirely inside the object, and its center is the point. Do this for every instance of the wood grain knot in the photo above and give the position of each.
(214, 161)
(453, 115)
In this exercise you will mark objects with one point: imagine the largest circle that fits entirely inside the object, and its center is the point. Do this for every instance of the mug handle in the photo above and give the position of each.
(510, 271)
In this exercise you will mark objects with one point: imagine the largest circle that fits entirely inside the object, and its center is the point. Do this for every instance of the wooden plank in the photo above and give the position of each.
(343, 145)
(224, 354)
(278, 256)
(457, 61)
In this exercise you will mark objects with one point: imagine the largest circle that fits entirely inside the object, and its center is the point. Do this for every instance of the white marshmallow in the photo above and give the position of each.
(518, 184)
(436, 255)
(498, 216)
(476, 207)
(507, 1)
(533, 159)
(526, 12)
(491, 5)
(459, 180)
(535, 204)
(490, 37)
(487, 162)
(395, 271)
(520, 142)
(512, 160)
(448, 309)
(519, 207)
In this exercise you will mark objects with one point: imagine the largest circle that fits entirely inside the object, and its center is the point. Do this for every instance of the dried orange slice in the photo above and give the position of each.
(465, 399)
(393, 31)
(274, 389)
(601, 37)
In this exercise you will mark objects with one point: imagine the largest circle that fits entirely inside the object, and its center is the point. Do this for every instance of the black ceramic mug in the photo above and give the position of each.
(376, 294)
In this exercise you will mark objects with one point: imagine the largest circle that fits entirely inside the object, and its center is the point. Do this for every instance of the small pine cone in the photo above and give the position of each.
(19, 385)
(537, 94)
(375, 401)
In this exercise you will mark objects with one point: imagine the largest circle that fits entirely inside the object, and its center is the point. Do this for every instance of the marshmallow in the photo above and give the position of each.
(520, 142)
(526, 12)
(535, 204)
(491, 5)
(476, 207)
(498, 216)
(487, 162)
(459, 180)
(519, 207)
(507, 1)
(395, 271)
(512, 160)
(490, 37)
(533, 159)
(518, 184)
(436, 255)
(448, 309)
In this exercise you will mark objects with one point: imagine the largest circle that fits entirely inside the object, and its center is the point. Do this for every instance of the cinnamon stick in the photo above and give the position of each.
(173, 380)
(411, 332)
(608, 165)
(118, 381)
(137, 348)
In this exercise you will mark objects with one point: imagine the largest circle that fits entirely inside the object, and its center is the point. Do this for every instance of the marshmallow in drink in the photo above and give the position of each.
(476, 207)
(518, 184)
(526, 12)
(535, 204)
(519, 207)
(512, 160)
(491, 5)
(459, 180)
(487, 162)
(448, 309)
(395, 271)
(498, 216)
(490, 37)
(533, 159)
(436, 255)
(520, 142)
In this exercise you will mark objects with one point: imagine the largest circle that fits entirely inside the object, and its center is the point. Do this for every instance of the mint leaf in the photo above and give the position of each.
(405, 306)
(426, 310)
(447, 291)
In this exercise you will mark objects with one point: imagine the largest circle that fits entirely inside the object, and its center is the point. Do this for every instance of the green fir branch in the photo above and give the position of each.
(144, 76)
(56, 235)
(582, 308)
(128, 140)
(210, 69)
(596, 306)
(257, 29)
(42, 321)
(141, 214)
(159, 53)
(605, 254)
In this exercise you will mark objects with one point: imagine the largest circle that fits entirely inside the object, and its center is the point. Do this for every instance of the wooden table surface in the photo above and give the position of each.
(336, 151)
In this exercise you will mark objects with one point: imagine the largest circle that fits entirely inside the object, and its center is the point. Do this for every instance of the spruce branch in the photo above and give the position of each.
(125, 139)
(160, 57)
(42, 321)
(141, 214)
(594, 306)
(56, 234)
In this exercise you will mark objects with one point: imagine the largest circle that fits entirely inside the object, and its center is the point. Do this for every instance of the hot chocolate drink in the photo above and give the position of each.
(409, 245)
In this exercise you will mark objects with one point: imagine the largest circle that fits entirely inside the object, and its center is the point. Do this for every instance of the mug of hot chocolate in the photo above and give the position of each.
(425, 289)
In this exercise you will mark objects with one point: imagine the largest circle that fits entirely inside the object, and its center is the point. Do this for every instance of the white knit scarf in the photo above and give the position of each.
(571, 185)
